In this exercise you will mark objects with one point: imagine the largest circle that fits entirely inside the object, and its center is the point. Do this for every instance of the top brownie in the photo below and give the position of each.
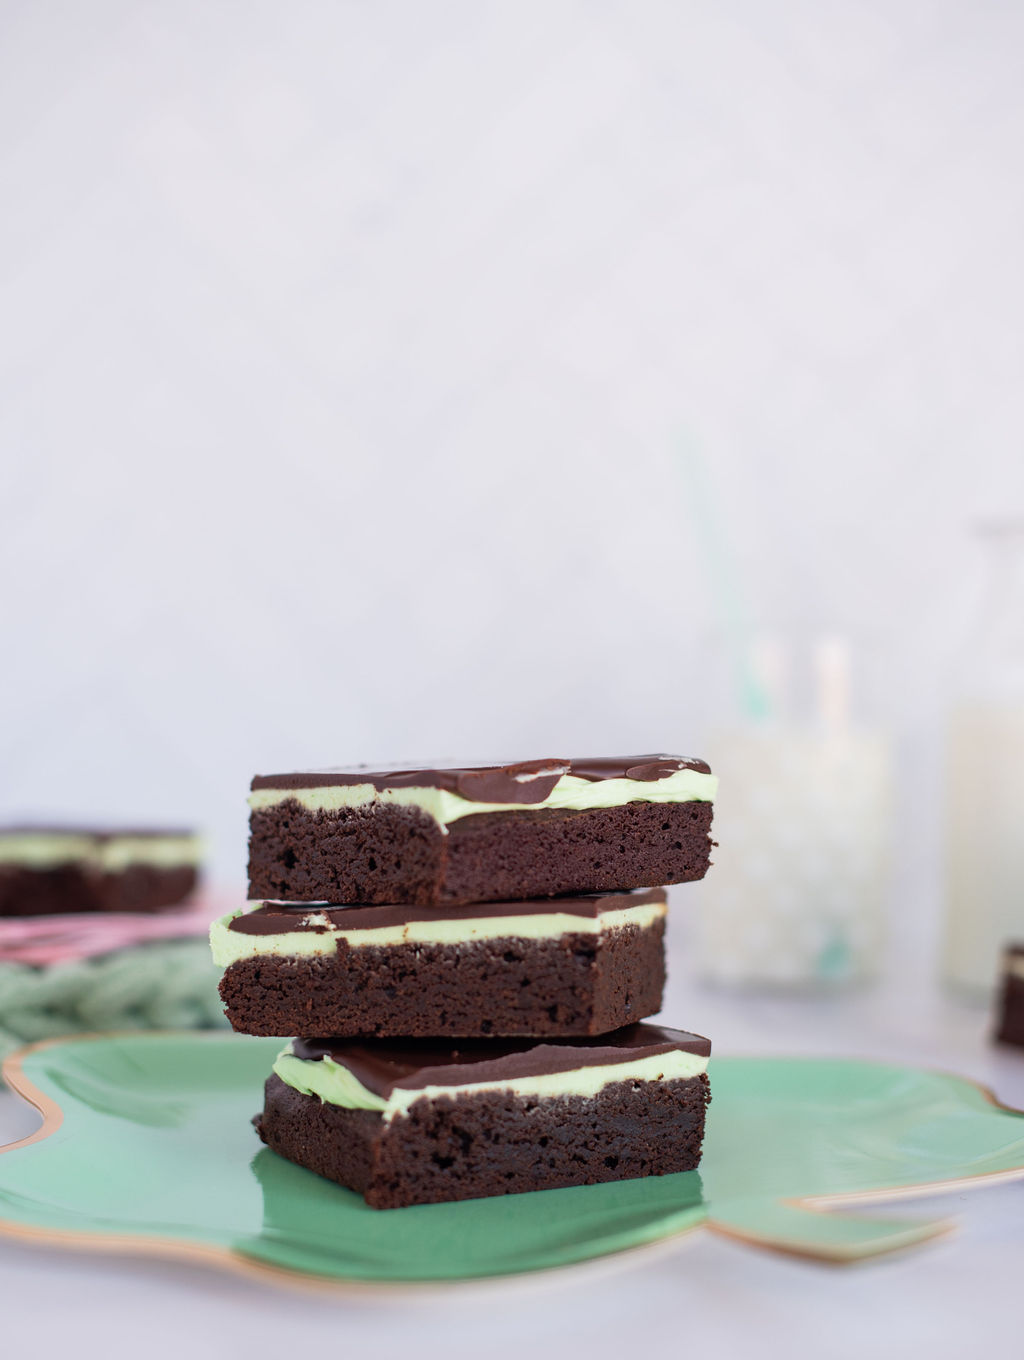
(456, 833)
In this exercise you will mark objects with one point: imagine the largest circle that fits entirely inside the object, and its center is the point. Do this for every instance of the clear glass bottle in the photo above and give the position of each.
(795, 898)
(984, 805)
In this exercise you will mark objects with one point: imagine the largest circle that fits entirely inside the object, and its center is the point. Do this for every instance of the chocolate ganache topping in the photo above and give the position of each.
(281, 918)
(411, 1064)
(528, 781)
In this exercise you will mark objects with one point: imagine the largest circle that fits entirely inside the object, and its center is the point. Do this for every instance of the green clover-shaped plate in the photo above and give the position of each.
(147, 1145)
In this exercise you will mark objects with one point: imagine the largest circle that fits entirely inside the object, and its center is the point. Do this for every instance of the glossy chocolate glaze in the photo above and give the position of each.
(279, 918)
(528, 781)
(411, 1064)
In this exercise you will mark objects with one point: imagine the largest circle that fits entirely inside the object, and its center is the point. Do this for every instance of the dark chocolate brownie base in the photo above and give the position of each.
(68, 888)
(398, 854)
(490, 1144)
(1010, 1025)
(571, 984)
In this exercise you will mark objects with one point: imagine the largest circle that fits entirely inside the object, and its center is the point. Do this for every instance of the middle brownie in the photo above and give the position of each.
(574, 965)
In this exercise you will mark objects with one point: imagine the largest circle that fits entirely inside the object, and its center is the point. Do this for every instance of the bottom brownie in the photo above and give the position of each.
(493, 1143)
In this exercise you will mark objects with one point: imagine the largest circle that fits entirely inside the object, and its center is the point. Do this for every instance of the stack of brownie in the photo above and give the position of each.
(473, 948)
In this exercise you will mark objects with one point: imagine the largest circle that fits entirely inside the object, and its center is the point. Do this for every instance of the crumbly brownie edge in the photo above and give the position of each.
(380, 854)
(493, 1143)
(631, 976)
(571, 984)
(636, 845)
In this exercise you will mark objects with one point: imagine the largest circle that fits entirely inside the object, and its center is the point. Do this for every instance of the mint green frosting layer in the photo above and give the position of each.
(331, 1081)
(110, 854)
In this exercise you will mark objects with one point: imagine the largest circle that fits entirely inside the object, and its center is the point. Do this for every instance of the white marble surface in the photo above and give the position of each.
(713, 1297)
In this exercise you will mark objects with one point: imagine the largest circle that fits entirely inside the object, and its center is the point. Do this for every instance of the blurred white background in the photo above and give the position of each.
(386, 378)
(348, 351)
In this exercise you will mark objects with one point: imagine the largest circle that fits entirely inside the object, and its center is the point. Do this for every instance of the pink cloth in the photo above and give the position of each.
(42, 940)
